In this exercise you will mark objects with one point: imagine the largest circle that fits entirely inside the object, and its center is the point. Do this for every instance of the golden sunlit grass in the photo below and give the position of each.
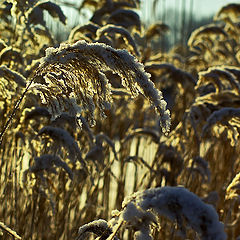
(88, 149)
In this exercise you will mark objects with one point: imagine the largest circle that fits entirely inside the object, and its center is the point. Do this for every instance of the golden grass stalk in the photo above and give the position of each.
(9, 231)
(233, 189)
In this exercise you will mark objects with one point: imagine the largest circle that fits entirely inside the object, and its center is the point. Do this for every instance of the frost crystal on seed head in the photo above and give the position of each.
(78, 70)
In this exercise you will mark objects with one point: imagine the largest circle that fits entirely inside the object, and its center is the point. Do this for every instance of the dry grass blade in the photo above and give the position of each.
(143, 131)
(72, 78)
(9, 231)
(233, 189)
(139, 160)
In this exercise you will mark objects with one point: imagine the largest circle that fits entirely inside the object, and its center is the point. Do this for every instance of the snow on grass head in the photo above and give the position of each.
(177, 204)
(72, 79)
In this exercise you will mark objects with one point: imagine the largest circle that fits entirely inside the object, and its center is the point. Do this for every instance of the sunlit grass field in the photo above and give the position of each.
(109, 136)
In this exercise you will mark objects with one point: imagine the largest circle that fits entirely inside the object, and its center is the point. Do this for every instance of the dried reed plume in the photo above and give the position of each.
(110, 29)
(156, 30)
(231, 10)
(141, 209)
(72, 79)
(85, 32)
(220, 78)
(61, 136)
(47, 162)
(11, 75)
(221, 116)
(207, 33)
(126, 18)
(57, 172)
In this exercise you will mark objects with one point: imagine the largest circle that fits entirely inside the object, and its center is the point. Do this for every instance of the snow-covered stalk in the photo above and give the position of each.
(141, 209)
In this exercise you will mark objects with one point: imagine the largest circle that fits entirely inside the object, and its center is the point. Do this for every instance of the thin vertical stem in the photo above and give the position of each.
(9, 231)
(164, 10)
(190, 16)
(163, 20)
(14, 112)
(183, 13)
(175, 22)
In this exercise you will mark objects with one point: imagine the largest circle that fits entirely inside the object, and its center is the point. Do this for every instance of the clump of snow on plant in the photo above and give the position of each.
(98, 227)
(177, 204)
